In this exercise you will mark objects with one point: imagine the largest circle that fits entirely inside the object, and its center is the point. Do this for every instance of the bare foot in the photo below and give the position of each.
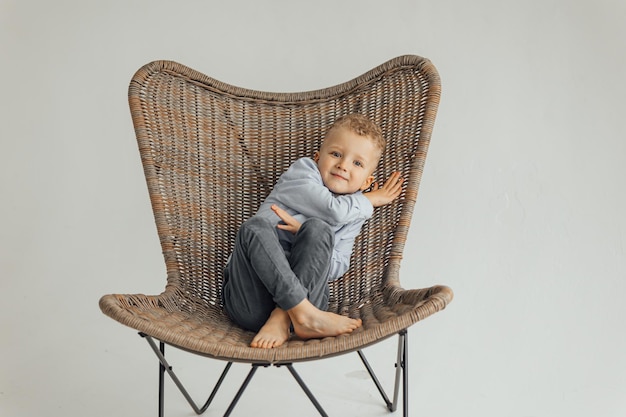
(311, 323)
(274, 332)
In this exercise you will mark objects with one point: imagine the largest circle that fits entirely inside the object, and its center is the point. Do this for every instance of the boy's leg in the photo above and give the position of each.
(274, 332)
(258, 269)
(258, 276)
(310, 259)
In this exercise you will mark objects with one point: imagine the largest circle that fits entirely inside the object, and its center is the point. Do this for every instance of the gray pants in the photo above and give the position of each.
(260, 276)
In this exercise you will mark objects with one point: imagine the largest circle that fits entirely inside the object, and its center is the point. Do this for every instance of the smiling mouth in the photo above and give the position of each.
(339, 177)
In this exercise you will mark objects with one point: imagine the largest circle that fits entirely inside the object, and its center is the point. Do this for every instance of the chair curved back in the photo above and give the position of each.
(212, 152)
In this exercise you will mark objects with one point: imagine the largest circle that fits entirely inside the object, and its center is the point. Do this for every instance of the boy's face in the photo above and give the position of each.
(346, 161)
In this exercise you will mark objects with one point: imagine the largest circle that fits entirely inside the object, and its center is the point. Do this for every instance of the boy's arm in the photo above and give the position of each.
(301, 189)
(290, 223)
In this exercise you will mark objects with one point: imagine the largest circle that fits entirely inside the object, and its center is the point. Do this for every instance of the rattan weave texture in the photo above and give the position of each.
(211, 152)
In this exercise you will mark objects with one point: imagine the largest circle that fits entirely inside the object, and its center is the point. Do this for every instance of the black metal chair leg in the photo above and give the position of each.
(401, 372)
(306, 390)
(375, 379)
(405, 376)
(161, 381)
(165, 367)
(242, 389)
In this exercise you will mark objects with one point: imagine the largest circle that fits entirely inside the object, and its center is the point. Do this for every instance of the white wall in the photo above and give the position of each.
(519, 210)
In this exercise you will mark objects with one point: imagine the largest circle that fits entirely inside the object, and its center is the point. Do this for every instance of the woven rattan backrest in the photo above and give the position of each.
(212, 152)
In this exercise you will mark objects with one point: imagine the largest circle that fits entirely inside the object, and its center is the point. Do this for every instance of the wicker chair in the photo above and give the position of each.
(211, 152)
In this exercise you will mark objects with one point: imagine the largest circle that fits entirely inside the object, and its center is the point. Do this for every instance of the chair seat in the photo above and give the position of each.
(206, 330)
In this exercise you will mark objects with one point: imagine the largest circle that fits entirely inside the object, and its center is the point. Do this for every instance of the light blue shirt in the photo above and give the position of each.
(301, 192)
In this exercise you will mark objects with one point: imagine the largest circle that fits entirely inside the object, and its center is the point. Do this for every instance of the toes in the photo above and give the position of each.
(263, 343)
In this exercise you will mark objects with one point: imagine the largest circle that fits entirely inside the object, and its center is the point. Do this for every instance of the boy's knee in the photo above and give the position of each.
(254, 226)
(317, 229)
(255, 223)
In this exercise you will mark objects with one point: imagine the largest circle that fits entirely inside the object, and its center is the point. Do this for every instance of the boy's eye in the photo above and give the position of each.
(335, 154)
(358, 163)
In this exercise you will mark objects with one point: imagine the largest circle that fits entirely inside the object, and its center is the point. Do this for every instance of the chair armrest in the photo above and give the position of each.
(434, 298)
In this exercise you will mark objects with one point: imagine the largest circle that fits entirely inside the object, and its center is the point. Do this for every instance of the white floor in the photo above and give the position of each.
(122, 381)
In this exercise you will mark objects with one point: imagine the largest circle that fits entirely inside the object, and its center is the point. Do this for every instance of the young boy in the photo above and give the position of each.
(302, 237)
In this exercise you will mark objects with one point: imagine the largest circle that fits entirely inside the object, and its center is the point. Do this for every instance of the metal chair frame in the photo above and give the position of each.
(164, 367)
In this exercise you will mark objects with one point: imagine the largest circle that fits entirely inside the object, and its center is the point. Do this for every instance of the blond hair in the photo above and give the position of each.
(362, 126)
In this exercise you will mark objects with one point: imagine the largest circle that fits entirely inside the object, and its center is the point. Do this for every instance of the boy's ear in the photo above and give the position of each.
(316, 156)
(368, 181)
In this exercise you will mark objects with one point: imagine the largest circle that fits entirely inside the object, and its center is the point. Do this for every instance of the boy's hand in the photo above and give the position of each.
(291, 224)
(387, 193)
